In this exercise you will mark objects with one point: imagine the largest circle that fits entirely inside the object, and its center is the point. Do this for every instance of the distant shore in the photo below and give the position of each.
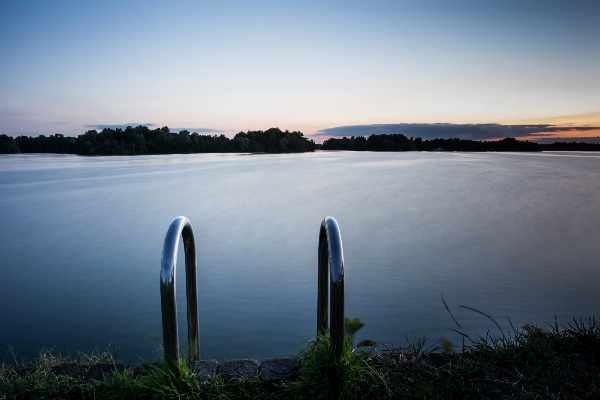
(142, 140)
(402, 143)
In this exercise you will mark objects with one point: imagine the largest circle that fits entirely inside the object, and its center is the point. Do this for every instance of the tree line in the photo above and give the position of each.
(399, 142)
(572, 146)
(143, 140)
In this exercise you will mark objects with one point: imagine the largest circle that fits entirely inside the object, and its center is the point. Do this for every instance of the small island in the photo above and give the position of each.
(143, 140)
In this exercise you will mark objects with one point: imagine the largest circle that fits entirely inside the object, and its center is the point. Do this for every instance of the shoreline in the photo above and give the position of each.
(555, 361)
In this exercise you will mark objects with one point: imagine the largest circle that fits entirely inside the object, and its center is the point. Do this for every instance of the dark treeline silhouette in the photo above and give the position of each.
(56, 143)
(396, 142)
(8, 145)
(572, 146)
(143, 140)
(274, 141)
(508, 144)
(399, 142)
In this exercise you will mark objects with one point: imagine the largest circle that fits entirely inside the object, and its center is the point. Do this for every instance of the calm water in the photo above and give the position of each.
(513, 235)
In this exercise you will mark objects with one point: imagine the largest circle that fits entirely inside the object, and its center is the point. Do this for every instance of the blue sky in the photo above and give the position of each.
(326, 68)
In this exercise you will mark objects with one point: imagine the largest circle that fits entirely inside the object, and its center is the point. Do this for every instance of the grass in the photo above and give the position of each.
(548, 362)
(322, 376)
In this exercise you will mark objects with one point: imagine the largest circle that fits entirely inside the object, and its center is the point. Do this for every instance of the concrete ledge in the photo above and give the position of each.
(233, 370)
(282, 368)
(88, 372)
(205, 369)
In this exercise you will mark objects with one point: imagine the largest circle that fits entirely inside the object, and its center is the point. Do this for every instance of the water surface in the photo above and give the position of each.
(509, 234)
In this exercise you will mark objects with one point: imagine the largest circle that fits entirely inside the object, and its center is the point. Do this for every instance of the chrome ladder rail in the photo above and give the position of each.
(331, 273)
(180, 226)
(330, 276)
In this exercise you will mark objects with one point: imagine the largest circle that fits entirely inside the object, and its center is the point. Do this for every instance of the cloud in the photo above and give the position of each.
(149, 125)
(197, 130)
(446, 131)
(115, 126)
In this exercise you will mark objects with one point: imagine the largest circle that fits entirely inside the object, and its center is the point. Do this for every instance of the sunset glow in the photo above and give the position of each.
(314, 66)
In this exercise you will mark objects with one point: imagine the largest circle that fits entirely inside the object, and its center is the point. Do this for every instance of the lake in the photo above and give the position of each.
(511, 234)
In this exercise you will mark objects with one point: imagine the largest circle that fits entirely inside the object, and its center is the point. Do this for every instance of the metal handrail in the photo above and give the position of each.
(179, 226)
(331, 273)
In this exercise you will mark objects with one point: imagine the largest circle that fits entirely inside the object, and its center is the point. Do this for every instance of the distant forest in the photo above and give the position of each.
(399, 142)
(143, 140)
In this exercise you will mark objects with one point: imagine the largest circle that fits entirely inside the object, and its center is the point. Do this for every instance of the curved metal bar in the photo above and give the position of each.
(331, 273)
(179, 226)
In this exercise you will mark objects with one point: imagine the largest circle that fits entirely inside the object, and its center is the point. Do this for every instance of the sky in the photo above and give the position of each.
(484, 69)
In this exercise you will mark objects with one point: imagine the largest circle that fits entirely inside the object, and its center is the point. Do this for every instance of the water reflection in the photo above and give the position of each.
(509, 234)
